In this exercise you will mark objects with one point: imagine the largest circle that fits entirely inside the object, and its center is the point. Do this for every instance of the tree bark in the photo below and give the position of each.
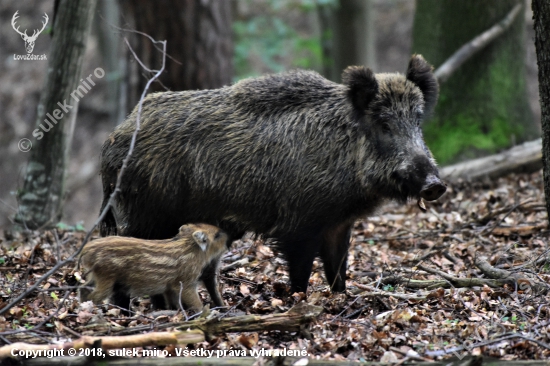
(483, 107)
(109, 45)
(524, 158)
(41, 198)
(199, 44)
(541, 16)
(348, 36)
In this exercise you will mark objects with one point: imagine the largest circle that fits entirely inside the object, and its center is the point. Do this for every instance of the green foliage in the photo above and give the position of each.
(480, 129)
(62, 226)
(311, 5)
(269, 43)
(464, 137)
(78, 227)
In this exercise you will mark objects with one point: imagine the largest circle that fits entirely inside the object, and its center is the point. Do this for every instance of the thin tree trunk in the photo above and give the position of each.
(352, 40)
(41, 198)
(541, 15)
(109, 45)
(483, 107)
(199, 44)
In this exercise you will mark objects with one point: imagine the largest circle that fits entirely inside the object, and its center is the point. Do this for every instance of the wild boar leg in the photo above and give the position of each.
(120, 297)
(334, 253)
(209, 278)
(300, 249)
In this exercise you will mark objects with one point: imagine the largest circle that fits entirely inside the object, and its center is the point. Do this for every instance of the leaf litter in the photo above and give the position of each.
(467, 274)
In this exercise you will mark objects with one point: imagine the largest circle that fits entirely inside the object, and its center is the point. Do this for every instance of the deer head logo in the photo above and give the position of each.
(29, 40)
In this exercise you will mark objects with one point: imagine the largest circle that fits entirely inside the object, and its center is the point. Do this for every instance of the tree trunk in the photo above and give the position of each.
(483, 107)
(41, 198)
(199, 44)
(348, 36)
(524, 158)
(541, 16)
(109, 46)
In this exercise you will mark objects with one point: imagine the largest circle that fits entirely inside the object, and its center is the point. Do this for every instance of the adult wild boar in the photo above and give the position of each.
(292, 156)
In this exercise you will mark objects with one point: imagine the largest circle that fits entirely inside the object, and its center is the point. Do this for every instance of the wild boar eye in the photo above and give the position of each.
(418, 117)
(386, 127)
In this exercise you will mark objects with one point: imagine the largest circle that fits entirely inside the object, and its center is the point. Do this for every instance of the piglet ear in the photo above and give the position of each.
(420, 72)
(362, 85)
(185, 231)
(201, 239)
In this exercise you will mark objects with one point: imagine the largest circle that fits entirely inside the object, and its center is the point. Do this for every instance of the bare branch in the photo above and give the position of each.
(526, 157)
(112, 342)
(444, 72)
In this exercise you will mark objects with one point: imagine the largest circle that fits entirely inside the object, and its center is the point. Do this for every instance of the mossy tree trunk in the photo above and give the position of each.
(199, 44)
(484, 106)
(41, 198)
(541, 16)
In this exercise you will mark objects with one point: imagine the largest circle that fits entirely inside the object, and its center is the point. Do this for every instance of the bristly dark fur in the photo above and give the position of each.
(293, 156)
(362, 85)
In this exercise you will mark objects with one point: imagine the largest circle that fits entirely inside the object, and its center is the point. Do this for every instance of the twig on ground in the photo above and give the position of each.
(111, 342)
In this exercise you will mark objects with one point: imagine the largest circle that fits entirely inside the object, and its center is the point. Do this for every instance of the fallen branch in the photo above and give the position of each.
(193, 331)
(280, 360)
(497, 278)
(453, 281)
(290, 321)
(444, 72)
(524, 158)
(108, 342)
(522, 230)
(373, 292)
(524, 283)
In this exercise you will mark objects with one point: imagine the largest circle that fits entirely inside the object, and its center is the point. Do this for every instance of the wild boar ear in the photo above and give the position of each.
(201, 239)
(420, 72)
(362, 85)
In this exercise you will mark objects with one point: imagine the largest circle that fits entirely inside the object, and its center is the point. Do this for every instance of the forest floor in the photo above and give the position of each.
(468, 276)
